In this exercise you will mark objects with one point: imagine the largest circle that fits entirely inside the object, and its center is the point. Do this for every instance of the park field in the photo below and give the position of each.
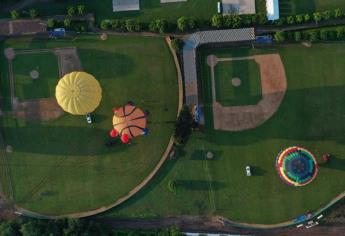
(149, 9)
(63, 165)
(311, 115)
(292, 7)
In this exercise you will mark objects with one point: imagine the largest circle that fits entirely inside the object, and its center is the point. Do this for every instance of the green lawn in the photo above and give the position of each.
(248, 93)
(43, 87)
(63, 165)
(149, 9)
(291, 7)
(311, 114)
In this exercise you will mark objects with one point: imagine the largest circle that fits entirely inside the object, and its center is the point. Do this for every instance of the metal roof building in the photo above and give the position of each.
(272, 9)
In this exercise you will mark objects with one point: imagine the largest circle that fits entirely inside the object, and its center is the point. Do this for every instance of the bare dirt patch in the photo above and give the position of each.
(37, 109)
(273, 84)
(68, 60)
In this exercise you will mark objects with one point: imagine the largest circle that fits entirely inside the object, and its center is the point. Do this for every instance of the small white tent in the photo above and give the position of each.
(272, 8)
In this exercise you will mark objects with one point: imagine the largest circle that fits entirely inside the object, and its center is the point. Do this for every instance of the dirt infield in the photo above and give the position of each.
(273, 85)
(47, 108)
(38, 109)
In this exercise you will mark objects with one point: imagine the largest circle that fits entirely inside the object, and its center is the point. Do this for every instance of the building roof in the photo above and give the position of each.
(126, 5)
(272, 9)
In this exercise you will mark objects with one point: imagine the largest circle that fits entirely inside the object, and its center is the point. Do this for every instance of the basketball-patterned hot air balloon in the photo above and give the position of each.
(129, 121)
(78, 93)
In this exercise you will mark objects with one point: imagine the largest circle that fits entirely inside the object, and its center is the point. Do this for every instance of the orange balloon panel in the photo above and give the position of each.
(129, 120)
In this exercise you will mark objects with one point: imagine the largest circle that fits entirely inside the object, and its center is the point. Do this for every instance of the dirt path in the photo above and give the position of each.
(273, 86)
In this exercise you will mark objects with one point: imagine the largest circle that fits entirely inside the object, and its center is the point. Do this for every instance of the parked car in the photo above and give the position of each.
(89, 118)
(248, 171)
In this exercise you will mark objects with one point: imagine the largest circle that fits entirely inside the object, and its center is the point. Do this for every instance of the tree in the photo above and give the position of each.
(159, 25)
(323, 34)
(50, 23)
(15, 15)
(297, 36)
(290, 20)
(299, 19)
(9, 228)
(237, 21)
(33, 13)
(307, 17)
(71, 11)
(338, 13)
(177, 44)
(280, 36)
(132, 25)
(81, 10)
(326, 15)
(317, 17)
(191, 23)
(104, 24)
(217, 21)
(67, 22)
(182, 23)
(115, 24)
(313, 35)
(183, 126)
(340, 31)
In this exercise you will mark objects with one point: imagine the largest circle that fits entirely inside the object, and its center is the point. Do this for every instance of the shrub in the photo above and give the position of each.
(81, 10)
(104, 24)
(290, 20)
(33, 13)
(237, 21)
(67, 22)
(51, 23)
(183, 126)
(280, 36)
(217, 21)
(15, 15)
(298, 36)
(191, 23)
(299, 19)
(177, 44)
(280, 21)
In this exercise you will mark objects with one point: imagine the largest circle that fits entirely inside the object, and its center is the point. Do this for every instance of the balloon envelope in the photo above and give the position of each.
(78, 93)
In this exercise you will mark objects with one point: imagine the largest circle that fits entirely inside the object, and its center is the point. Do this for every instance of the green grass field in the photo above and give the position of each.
(248, 93)
(310, 115)
(150, 9)
(63, 165)
(291, 7)
(43, 87)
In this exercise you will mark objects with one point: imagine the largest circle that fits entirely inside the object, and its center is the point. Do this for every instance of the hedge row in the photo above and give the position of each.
(313, 35)
(217, 21)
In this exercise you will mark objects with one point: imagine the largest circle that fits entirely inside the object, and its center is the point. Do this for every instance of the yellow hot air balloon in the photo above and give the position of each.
(78, 93)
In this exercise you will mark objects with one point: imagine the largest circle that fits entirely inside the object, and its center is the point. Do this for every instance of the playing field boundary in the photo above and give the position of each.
(144, 182)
